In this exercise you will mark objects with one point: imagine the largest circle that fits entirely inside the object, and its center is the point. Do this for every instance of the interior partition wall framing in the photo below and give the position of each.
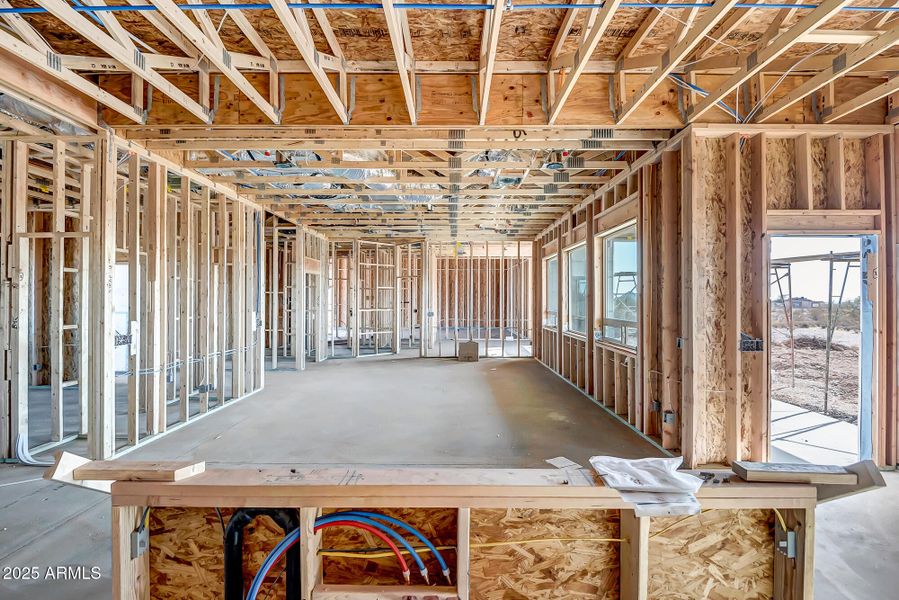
(481, 292)
(132, 295)
(677, 337)
(296, 295)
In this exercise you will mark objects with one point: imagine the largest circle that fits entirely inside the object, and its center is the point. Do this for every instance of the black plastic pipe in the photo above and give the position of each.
(287, 520)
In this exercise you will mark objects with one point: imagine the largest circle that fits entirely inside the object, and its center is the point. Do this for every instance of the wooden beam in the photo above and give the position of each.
(841, 65)
(733, 261)
(646, 26)
(215, 52)
(634, 556)
(564, 30)
(584, 52)
(304, 43)
(134, 211)
(756, 363)
(489, 43)
(24, 30)
(83, 26)
(724, 29)
(37, 59)
(759, 59)
(676, 53)
(397, 40)
(669, 282)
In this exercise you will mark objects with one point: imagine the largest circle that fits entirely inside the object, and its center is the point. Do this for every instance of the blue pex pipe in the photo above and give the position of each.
(30, 10)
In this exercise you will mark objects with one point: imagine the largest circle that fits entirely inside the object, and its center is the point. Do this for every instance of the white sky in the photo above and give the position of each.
(810, 278)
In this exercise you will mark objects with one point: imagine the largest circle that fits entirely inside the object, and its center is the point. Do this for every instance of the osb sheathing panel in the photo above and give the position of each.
(65, 40)
(717, 555)
(270, 29)
(446, 34)
(528, 34)
(781, 170)
(750, 285)
(854, 173)
(623, 25)
(819, 173)
(187, 553)
(547, 570)
(437, 524)
(663, 33)
(362, 34)
(710, 297)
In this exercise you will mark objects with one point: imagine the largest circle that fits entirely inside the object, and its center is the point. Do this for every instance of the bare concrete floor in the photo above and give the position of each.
(387, 410)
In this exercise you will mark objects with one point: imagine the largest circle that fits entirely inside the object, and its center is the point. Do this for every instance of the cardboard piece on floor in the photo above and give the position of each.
(869, 478)
(468, 351)
(63, 471)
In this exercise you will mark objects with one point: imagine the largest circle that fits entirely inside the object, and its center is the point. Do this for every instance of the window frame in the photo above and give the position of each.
(546, 292)
(567, 287)
(600, 320)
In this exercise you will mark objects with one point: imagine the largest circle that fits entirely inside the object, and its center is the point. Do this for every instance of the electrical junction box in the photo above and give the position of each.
(468, 351)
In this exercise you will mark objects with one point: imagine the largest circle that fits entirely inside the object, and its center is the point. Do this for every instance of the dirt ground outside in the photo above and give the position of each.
(806, 388)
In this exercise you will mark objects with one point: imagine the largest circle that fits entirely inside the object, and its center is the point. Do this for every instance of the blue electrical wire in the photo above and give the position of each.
(406, 527)
(617, 157)
(696, 88)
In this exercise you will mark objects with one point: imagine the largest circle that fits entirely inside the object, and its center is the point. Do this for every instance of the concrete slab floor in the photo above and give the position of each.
(392, 410)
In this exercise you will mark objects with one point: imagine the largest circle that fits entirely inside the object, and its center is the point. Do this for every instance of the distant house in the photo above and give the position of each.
(803, 302)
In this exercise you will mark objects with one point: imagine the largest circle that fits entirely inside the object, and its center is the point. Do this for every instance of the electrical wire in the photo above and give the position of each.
(783, 524)
(384, 553)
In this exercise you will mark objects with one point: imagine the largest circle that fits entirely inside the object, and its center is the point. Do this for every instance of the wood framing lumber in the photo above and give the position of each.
(24, 30)
(642, 33)
(582, 55)
(38, 60)
(564, 32)
(56, 293)
(305, 45)
(101, 432)
(216, 53)
(724, 29)
(322, 17)
(397, 41)
(383, 592)
(634, 556)
(133, 470)
(673, 56)
(841, 65)
(793, 473)
(487, 61)
(83, 26)
(733, 309)
(759, 59)
(166, 29)
(883, 90)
